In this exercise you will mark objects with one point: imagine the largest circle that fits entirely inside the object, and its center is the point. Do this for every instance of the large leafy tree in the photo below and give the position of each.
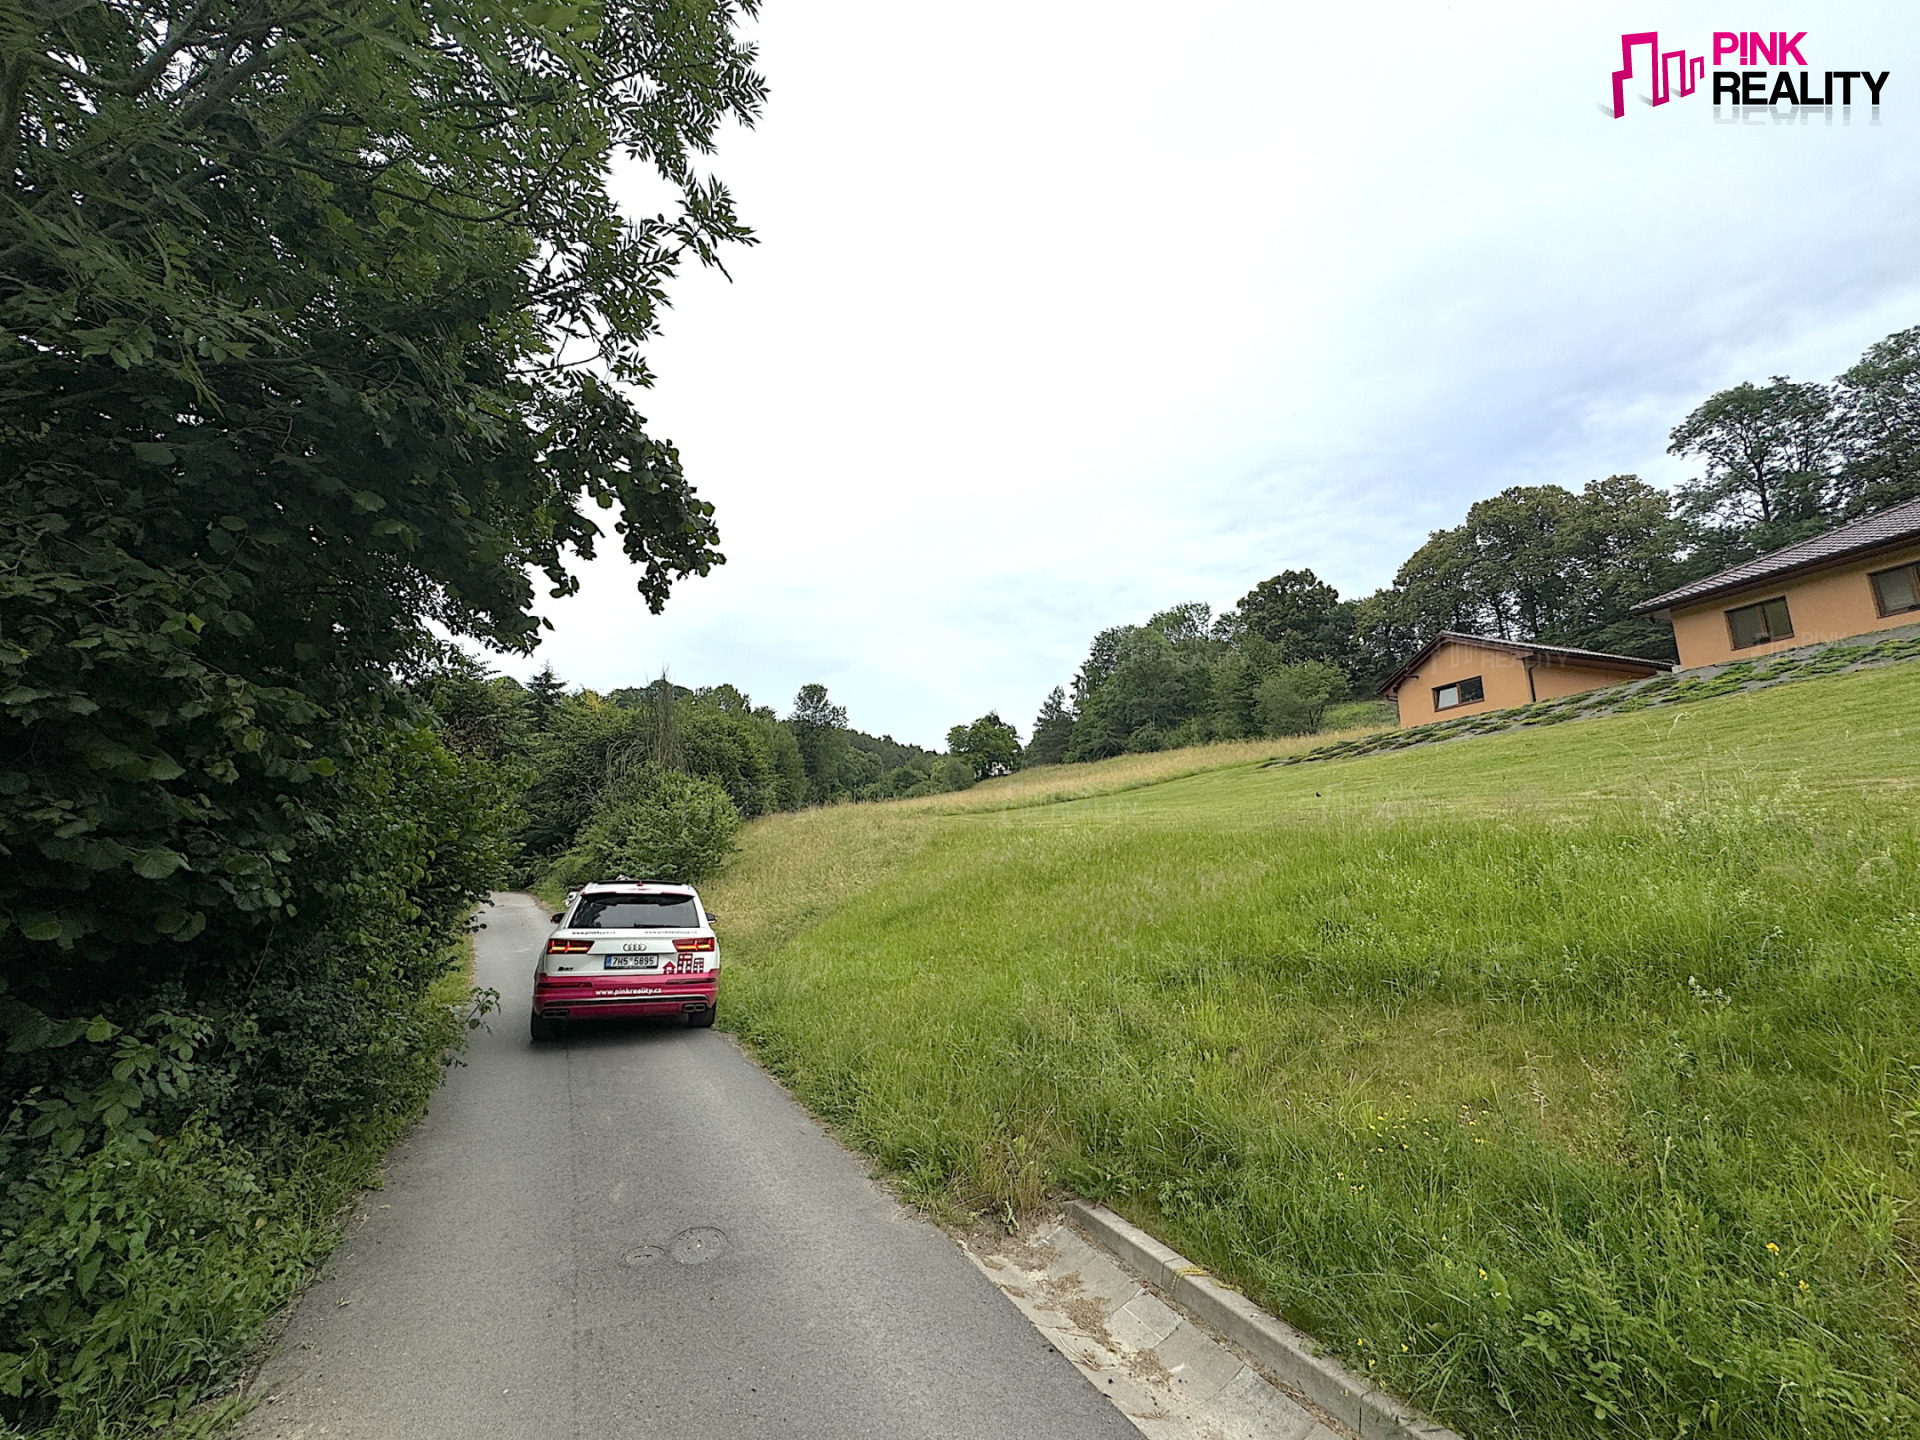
(1880, 424)
(1769, 457)
(318, 328)
(989, 745)
(1302, 615)
(820, 731)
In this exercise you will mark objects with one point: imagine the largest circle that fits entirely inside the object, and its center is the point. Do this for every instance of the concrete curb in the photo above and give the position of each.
(1354, 1401)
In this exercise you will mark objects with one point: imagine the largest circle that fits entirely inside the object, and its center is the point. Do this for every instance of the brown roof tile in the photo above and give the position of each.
(1890, 527)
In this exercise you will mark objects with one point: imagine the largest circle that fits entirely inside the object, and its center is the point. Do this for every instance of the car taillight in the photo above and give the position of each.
(704, 942)
(568, 947)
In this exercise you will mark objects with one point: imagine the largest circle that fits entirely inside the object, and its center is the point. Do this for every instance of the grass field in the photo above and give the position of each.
(1568, 1081)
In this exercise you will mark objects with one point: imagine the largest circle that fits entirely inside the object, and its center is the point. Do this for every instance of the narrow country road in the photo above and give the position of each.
(636, 1233)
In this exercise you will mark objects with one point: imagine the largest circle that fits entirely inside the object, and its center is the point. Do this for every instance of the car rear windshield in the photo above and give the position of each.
(614, 911)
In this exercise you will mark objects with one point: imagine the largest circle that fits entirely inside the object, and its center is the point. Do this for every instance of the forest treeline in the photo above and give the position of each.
(655, 781)
(1779, 462)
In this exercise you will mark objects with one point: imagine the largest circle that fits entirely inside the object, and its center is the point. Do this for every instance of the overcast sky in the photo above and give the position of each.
(1063, 313)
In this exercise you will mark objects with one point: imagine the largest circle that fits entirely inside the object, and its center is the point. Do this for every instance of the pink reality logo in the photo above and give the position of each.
(1746, 86)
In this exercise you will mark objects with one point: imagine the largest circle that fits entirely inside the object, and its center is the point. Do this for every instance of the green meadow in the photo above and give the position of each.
(1567, 1081)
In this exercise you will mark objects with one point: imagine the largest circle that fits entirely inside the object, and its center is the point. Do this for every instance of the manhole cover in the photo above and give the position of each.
(643, 1254)
(698, 1245)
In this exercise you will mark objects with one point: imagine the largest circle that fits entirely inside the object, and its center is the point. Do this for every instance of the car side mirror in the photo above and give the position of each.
(558, 918)
(711, 917)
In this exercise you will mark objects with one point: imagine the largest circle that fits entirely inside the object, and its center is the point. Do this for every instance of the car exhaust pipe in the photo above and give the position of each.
(692, 1007)
(554, 1012)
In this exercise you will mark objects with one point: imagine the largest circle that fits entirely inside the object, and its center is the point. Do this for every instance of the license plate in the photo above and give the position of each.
(633, 962)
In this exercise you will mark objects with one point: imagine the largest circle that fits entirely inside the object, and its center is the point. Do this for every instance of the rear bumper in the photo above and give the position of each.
(626, 1000)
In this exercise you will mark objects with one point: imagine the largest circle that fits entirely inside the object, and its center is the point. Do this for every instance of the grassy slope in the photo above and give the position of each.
(1502, 1066)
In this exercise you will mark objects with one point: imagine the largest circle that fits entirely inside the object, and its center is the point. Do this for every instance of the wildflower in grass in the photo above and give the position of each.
(1772, 1249)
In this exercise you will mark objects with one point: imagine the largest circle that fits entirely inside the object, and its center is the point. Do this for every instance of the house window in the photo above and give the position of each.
(1461, 692)
(1757, 624)
(1897, 591)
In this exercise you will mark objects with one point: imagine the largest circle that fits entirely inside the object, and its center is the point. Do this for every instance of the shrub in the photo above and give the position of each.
(654, 825)
(178, 1130)
(1292, 700)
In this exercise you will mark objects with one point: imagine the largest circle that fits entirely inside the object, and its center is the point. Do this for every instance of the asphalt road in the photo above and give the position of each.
(636, 1233)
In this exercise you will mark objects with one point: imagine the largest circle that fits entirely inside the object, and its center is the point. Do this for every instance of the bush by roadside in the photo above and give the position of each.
(177, 1143)
(655, 824)
(137, 1272)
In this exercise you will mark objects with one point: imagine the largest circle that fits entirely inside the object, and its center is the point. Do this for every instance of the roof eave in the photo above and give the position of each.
(1675, 598)
(1549, 654)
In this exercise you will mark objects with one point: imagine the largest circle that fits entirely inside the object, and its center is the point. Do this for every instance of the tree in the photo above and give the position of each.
(1102, 656)
(319, 332)
(989, 745)
(1237, 677)
(820, 730)
(662, 722)
(1386, 634)
(1187, 624)
(1622, 544)
(733, 748)
(1292, 700)
(1300, 614)
(813, 709)
(316, 331)
(544, 691)
(1150, 698)
(1052, 730)
(480, 714)
(1879, 424)
(789, 766)
(589, 746)
(1770, 453)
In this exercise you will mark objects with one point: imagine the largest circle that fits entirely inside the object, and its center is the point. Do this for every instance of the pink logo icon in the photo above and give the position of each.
(1693, 68)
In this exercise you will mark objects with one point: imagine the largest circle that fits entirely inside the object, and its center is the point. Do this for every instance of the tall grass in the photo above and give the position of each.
(1566, 1081)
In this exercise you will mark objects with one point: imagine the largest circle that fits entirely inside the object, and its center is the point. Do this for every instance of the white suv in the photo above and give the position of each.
(625, 949)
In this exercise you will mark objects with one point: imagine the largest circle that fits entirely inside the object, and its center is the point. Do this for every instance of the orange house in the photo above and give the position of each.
(1852, 580)
(1459, 674)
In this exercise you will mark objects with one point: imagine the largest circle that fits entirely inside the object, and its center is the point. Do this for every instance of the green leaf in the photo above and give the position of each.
(150, 453)
(157, 864)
